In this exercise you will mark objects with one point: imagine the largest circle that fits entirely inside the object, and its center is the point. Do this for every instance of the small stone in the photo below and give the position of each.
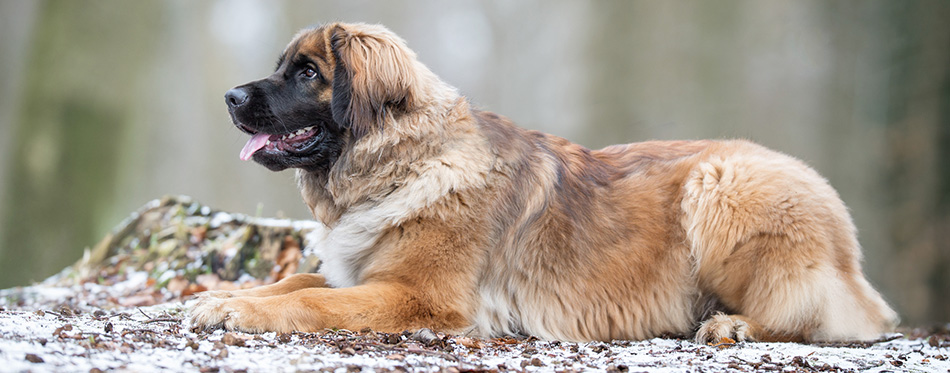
(232, 340)
(392, 339)
(426, 336)
(33, 358)
(618, 369)
(535, 362)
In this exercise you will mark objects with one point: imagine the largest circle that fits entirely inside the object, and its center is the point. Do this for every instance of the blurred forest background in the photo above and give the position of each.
(107, 104)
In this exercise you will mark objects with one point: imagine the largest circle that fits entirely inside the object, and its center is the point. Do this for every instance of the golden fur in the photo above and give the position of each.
(442, 216)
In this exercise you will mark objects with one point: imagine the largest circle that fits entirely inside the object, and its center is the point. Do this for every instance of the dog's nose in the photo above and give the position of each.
(236, 97)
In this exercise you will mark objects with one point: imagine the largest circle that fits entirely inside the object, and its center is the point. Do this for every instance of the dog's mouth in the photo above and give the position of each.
(300, 142)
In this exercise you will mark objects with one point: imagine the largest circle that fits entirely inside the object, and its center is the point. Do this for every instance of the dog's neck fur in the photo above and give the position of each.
(390, 176)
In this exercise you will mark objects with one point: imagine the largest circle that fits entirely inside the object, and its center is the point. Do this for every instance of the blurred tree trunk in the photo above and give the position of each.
(917, 177)
(73, 114)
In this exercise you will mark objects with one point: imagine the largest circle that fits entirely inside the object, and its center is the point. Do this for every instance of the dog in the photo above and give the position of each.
(439, 215)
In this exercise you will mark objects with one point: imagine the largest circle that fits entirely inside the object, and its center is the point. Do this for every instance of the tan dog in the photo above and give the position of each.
(439, 215)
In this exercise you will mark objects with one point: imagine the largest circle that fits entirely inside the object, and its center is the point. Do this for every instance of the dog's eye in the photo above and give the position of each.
(309, 73)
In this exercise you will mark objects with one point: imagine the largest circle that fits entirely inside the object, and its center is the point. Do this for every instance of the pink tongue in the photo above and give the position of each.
(254, 144)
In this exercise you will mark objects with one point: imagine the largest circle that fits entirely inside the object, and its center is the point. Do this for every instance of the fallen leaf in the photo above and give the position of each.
(138, 300)
(33, 358)
(288, 259)
(933, 341)
(199, 233)
(177, 285)
(193, 289)
(469, 342)
(726, 342)
(209, 281)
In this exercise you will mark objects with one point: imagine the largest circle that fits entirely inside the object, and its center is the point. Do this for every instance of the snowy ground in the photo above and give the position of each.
(120, 309)
(82, 329)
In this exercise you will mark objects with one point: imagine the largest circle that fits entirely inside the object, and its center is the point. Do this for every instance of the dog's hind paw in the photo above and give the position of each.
(721, 326)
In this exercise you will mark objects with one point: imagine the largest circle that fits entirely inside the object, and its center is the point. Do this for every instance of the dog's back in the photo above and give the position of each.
(625, 242)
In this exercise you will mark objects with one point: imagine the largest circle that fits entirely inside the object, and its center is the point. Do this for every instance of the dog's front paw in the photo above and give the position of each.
(238, 314)
(722, 326)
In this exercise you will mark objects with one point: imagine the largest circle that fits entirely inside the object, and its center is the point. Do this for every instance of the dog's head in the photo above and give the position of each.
(332, 86)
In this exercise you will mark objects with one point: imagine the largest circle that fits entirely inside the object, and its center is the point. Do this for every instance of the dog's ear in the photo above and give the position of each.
(340, 102)
(373, 77)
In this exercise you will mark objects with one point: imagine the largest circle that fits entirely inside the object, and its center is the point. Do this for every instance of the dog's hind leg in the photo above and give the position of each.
(775, 244)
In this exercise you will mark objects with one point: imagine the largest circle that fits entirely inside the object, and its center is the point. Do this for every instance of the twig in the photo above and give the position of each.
(130, 331)
(162, 319)
(98, 334)
(859, 344)
(436, 353)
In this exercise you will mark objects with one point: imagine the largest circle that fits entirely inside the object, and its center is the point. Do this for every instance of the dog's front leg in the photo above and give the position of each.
(388, 307)
(288, 285)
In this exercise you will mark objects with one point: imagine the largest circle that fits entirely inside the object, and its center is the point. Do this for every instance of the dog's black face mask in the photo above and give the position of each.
(288, 114)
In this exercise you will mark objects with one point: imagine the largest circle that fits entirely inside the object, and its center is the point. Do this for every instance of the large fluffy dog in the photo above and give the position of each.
(443, 216)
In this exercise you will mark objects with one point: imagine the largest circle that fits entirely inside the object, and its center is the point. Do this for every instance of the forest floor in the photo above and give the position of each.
(124, 308)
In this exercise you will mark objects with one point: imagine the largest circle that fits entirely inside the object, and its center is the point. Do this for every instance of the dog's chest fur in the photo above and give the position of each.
(344, 250)
(346, 245)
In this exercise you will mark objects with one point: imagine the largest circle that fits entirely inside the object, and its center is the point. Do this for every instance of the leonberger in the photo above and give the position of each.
(439, 215)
